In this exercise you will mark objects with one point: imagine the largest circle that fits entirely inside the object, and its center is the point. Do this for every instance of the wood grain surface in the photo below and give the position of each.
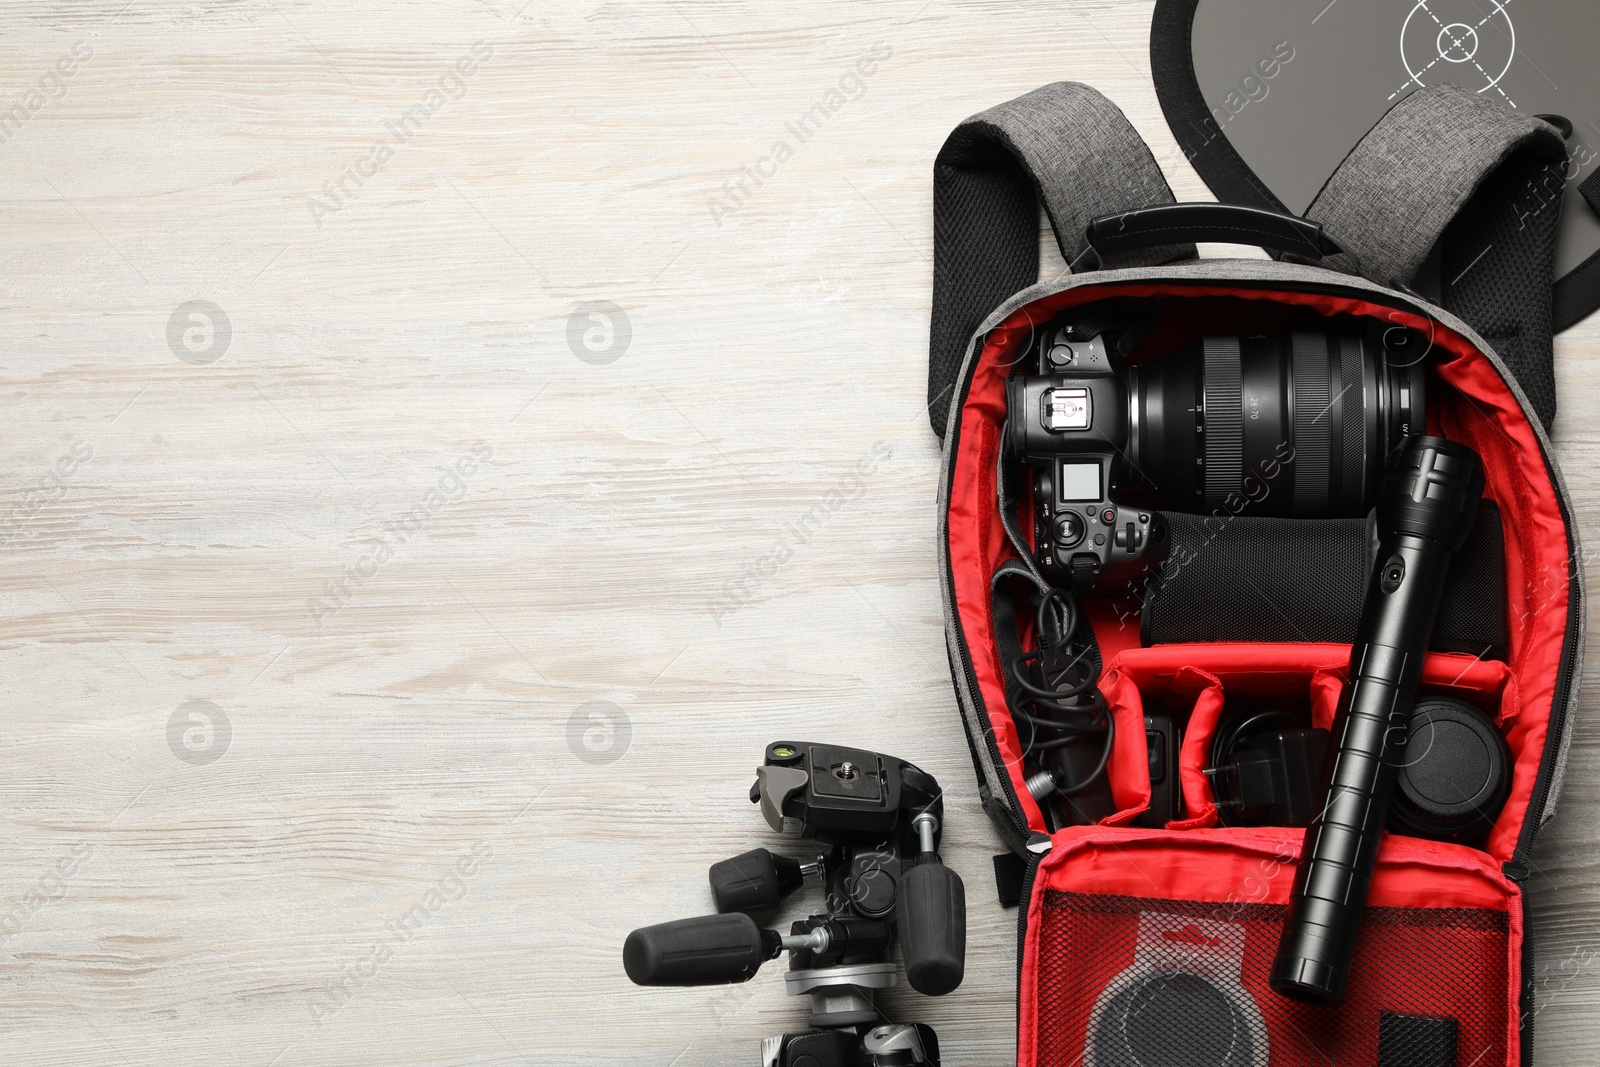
(444, 443)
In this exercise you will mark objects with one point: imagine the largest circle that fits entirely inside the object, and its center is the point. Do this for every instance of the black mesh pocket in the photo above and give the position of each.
(1131, 982)
(1243, 578)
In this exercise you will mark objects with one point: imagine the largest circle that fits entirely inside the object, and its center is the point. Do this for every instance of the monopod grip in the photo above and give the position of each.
(933, 927)
(709, 950)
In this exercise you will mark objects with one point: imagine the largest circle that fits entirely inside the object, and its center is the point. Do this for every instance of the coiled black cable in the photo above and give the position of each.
(1064, 704)
(1068, 706)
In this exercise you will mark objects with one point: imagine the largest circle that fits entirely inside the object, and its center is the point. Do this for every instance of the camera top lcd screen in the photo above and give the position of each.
(1078, 483)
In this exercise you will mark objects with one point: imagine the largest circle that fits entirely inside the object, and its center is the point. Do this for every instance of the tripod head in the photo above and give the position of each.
(883, 880)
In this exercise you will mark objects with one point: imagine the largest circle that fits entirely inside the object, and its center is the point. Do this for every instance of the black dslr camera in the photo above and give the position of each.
(1294, 424)
(883, 880)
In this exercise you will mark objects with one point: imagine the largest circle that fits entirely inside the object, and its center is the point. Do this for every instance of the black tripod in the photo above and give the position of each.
(883, 878)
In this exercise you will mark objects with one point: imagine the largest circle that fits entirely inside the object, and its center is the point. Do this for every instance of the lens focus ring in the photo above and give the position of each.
(1312, 416)
(1352, 409)
(1223, 393)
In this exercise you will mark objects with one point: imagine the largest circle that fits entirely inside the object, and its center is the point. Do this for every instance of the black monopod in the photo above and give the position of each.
(1426, 506)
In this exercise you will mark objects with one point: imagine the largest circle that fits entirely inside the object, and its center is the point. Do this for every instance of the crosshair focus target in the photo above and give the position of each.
(1459, 42)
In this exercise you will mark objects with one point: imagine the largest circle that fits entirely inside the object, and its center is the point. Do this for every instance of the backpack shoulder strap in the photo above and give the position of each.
(1590, 190)
(1448, 172)
(1065, 145)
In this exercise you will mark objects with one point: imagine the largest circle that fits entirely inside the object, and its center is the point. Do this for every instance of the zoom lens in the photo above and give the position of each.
(1292, 424)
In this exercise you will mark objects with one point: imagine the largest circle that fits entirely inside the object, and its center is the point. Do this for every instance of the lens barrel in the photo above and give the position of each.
(1294, 424)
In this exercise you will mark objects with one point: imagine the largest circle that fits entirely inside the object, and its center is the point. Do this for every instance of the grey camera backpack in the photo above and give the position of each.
(1148, 941)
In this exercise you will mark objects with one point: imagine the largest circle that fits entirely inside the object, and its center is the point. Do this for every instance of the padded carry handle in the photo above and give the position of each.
(1168, 224)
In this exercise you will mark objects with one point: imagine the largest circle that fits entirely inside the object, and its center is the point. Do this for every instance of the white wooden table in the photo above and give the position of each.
(389, 633)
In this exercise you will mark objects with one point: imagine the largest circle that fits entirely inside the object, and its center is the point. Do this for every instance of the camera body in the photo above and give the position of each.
(1071, 421)
(1296, 424)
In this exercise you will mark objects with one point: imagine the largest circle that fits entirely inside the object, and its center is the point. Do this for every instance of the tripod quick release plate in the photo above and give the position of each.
(836, 794)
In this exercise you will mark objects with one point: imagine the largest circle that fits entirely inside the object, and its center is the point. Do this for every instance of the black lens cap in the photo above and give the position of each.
(1456, 776)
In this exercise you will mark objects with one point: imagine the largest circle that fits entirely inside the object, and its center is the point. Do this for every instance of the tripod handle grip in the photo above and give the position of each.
(709, 950)
(933, 927)
(754, 881)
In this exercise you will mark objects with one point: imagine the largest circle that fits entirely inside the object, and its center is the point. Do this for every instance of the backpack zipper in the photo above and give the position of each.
(1023, 905)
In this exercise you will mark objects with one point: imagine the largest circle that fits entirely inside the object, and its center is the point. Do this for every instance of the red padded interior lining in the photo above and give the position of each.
(1480, 411)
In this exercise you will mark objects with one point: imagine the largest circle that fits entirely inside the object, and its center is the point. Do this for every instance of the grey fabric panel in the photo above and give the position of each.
(1088, 161)
(1408, 178)
(1452, 171)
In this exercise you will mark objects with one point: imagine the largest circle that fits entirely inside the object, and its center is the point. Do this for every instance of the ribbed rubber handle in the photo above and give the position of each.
(754, 881)
(933, 927)
(709, 950)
